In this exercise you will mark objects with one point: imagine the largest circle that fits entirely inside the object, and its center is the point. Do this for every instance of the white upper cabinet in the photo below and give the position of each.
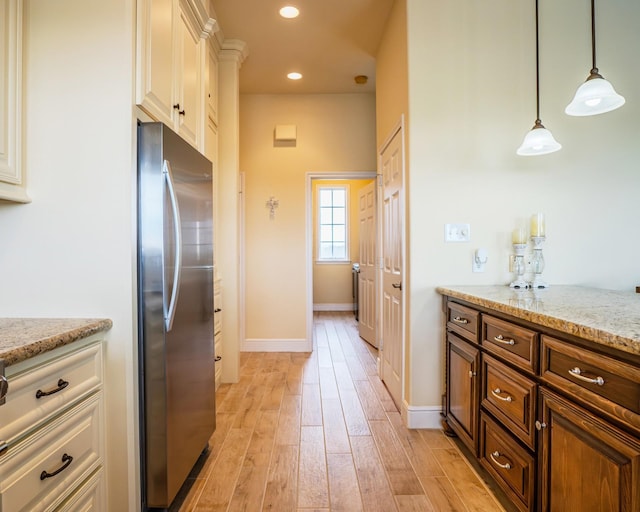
(171, 64)
(12, 180)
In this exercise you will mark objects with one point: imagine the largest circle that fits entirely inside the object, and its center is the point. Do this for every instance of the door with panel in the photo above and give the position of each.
(367, 274)
(392, 167)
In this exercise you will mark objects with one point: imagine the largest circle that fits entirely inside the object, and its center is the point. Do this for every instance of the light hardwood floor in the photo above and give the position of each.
(319, 432)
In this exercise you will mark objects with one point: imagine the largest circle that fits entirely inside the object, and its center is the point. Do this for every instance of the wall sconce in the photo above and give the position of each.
(539, 140)
(596, 95)
(272, 204)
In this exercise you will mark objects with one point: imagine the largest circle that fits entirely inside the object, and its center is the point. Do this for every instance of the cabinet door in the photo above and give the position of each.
(188, 80)
(155, 81)
(463, 399)
(12, 185)
(212, 86)
(586, 464)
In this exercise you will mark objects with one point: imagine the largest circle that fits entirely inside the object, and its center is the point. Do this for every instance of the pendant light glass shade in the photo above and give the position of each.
(595, 96)
(539, 141)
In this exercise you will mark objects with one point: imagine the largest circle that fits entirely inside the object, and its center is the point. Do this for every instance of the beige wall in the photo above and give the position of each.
(71, 251)
(472, 99)
(392, 89)
(332, 281)
(336, 133)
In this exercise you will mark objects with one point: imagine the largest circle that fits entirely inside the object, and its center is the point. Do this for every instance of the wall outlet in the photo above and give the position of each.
(457, 232)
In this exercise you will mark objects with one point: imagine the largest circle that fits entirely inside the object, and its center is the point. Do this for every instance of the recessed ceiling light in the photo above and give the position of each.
(294, 76)
(289, 11)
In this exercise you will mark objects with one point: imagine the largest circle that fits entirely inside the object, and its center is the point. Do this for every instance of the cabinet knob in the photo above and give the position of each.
(217, 310)
(472, 374)
(176, 106)
(540, 425)
(181, 112)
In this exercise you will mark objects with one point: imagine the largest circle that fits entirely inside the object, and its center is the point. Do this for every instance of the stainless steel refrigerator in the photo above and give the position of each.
(175, 308)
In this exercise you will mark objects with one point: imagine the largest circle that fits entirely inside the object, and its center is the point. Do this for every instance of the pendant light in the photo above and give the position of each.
(596, 95)
(539, 141)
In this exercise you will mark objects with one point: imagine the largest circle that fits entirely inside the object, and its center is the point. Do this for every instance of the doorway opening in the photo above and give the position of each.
(329, 275)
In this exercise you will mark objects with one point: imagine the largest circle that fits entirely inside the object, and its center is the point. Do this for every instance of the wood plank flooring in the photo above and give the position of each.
(318, 432)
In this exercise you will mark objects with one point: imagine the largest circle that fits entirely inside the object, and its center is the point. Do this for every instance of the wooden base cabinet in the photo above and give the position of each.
(586, 463)
(553, 418)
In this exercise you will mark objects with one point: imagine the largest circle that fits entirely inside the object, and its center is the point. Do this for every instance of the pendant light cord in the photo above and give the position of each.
(594, 69)
(538, 71)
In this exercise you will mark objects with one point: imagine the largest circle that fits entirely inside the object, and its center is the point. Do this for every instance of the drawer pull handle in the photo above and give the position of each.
(61, 385)
(495, 454)
(501, 339)
(577, 372)
(66, 459)
(459, 320)
(496, 392)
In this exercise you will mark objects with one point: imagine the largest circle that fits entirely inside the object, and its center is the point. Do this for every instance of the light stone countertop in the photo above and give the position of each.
(606, 317)
(22, 338)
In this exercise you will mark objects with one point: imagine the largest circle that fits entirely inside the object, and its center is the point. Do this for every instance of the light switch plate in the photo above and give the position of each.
(457, 232)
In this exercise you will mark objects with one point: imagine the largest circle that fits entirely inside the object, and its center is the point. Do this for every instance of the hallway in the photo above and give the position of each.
(319, 432)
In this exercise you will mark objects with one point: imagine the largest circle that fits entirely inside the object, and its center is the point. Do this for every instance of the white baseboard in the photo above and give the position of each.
(271, 345)
(334, 307)
(422, 416)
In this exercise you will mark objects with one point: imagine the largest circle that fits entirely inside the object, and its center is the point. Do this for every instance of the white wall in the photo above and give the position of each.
(471, 101)
(336, 132)
(71, 252)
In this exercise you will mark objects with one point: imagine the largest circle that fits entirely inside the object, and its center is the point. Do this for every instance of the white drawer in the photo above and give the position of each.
(90, 497)
(23, 467)
(23, 411)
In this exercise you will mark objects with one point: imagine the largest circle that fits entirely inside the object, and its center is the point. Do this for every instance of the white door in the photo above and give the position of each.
(367, 276)
(392, 167)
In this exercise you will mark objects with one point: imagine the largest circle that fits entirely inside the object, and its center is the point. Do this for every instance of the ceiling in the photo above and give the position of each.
(330, 43)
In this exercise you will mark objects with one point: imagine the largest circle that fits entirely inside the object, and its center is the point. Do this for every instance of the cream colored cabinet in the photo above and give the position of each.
(171, 63)
(217, 330)
(53, 431)
(12, 178)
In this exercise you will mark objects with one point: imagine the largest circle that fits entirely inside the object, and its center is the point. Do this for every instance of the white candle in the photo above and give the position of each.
(519, 236)
(537, 224)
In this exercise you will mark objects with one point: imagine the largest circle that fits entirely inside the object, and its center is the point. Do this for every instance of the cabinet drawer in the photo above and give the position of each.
(511, 465)
(24, 411)
(510, 397)
(610, 385)
(463, 320)
(90, 497)
(24, 484)
(511, 342)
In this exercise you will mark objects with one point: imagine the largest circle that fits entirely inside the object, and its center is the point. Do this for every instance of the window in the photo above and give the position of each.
(332, 224)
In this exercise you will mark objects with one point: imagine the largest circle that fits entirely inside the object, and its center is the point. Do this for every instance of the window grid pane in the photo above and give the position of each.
(332, 220)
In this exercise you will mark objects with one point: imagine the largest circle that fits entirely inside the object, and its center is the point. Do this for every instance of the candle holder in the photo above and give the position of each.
(519, 266)
(537, 263)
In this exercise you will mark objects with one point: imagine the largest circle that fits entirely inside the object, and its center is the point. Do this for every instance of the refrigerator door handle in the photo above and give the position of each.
(171, 310)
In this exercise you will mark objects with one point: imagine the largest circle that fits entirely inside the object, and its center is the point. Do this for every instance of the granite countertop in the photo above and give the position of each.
(22, 338)
(606, 317)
